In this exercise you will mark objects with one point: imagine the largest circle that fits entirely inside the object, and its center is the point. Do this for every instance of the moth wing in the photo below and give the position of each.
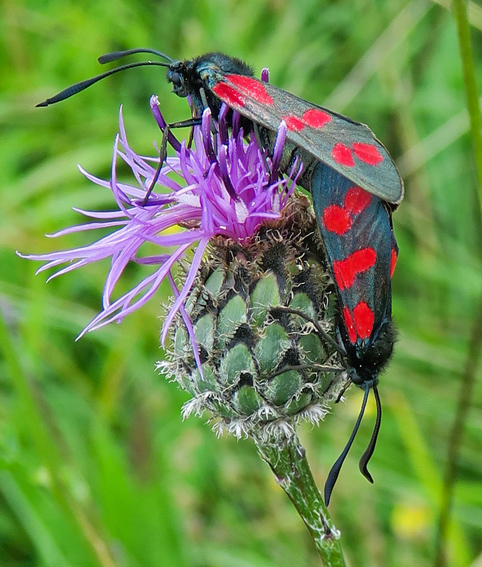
(349, 147)
(357, 233)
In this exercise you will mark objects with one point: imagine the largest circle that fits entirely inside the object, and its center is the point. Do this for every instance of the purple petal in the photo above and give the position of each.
(221, 187)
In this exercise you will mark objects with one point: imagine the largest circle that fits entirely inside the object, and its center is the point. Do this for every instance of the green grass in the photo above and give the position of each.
(96, 466)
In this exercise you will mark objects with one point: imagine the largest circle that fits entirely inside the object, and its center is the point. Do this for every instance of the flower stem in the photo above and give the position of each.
(468, 382)
(287, 459)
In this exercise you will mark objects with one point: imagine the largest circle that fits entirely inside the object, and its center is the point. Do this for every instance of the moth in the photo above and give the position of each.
(354, 184)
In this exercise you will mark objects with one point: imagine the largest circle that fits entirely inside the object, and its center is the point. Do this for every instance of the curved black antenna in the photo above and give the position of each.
(335, 469)
(115, 55)
(78, 87)
(373, 440)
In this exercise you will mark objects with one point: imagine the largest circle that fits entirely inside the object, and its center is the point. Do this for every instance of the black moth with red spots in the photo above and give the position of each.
(355, 186)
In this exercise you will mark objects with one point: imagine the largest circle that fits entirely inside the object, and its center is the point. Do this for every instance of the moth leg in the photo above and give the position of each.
(190, 123)
(204, 100)
(323, 335)
(257, 137)
(162, 159)
(344, 389)
(316, 367)
(166, 134)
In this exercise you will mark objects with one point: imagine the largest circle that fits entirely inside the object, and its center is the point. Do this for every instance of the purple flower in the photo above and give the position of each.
(229, 187)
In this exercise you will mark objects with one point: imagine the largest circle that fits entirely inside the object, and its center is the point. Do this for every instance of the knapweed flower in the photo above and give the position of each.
(249, 317)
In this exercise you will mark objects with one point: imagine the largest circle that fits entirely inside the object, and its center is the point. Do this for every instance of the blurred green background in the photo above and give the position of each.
(96, 466)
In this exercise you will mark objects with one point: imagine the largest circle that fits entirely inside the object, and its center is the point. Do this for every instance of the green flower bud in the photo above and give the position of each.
(258, 313)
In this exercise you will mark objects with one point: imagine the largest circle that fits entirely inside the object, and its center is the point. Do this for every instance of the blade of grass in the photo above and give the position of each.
(426, 470)
(33, 521)
(474, 12)
(47, 450)
(386, 44)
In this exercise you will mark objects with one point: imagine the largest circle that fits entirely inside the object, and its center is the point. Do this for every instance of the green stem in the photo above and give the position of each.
(287, 459)
(455, 439)
(465, 45)
(467, 383)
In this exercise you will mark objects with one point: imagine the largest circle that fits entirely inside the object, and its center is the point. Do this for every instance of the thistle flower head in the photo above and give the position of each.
(225, 189)
(247, 322)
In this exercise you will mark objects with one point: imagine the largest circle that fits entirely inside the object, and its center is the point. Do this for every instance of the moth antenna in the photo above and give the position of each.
(115, 55)
(78, 87)
(335, 469)
(373, 440)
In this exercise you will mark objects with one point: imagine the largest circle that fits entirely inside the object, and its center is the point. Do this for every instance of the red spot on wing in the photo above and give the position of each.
(357, 199)
(346, 270)
(315, 118)
(393, 261)
(336, 219)
(349, 324)
(293, 123)
(363, 317)
(342, 155)
(251, 87)
(367, 153)
(228, 94)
